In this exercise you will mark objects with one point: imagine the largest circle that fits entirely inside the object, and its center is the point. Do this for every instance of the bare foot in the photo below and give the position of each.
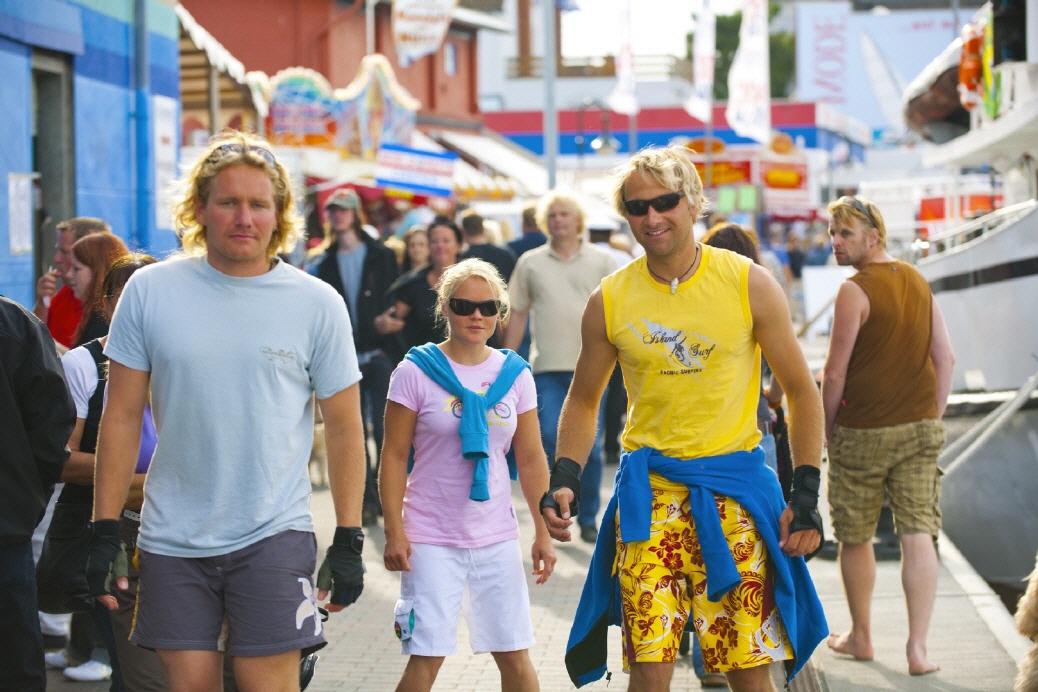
(918, 664)
(846, 644)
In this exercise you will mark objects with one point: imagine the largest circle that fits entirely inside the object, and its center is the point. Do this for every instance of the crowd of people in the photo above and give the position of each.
(441, 365)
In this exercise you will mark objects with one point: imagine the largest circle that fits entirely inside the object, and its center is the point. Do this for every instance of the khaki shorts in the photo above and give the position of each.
(663, 587)
(898, 459)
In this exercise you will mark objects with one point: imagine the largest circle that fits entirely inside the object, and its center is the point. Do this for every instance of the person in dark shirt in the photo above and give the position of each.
(501, 256)
(36, 419)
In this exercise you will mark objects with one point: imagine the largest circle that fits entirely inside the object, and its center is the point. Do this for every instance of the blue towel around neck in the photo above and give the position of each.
(742, 476)
(473, 429)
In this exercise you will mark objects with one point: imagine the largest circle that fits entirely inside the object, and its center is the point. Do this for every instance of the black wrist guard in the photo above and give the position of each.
(803, 499)
(565, 474)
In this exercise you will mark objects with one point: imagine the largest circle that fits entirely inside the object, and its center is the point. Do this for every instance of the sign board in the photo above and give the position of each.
(427, 172)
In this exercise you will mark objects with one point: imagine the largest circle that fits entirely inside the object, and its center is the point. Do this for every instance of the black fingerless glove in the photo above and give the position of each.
(803, 499)
(106, 558)
(342, 572)
(565, 474)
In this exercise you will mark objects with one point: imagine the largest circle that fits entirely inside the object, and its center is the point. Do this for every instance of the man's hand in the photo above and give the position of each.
(800, 526)
(342, 572)
(560, 504)
(106, 562)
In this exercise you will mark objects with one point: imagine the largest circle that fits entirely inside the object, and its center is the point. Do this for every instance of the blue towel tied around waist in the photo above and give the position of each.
(742, 476)
(473, 429)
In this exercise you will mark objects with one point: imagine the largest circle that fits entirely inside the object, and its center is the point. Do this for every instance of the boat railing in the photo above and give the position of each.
(969, 231)
(955, 454)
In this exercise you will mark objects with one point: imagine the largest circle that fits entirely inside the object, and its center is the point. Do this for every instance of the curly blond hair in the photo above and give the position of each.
(229, 148)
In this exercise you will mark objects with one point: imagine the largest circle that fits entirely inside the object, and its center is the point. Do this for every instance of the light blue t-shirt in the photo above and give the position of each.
(233, 363)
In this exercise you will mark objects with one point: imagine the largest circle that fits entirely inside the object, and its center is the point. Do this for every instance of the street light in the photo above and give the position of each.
(604, 143)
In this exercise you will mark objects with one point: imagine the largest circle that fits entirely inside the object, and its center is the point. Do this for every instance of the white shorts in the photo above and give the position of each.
(496, 602)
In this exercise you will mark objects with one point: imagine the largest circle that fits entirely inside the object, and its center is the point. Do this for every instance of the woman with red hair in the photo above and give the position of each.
(92, 256)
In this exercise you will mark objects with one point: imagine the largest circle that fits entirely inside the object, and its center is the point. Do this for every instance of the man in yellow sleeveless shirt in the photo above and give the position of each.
(697, 531)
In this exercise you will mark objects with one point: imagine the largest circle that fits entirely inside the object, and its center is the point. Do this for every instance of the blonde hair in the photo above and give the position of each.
(229, 148)
(457, 274)
(544, 204)
(670, 167)
(842, 210)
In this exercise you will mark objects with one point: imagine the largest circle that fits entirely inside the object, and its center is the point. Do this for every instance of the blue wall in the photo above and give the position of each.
(111, 114)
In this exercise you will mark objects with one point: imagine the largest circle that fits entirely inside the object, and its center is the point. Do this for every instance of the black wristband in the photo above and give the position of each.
(564, 474)
(106, 528)
(351, 537)
(806, 482)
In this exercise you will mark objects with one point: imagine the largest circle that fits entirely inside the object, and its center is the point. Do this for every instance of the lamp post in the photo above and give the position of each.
(604, 143)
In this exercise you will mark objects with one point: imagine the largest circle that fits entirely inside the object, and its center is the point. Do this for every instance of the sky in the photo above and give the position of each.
(658, 27)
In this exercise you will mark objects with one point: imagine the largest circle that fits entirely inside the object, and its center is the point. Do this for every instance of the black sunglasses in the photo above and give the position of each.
(856, 204)
(225, 149)
(464, 308)
(640, 207)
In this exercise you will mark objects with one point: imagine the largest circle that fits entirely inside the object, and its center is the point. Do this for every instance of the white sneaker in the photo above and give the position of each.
(91, 671)
(56, 659)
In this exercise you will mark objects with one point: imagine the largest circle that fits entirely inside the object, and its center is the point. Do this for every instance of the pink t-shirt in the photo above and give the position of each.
(437, 508)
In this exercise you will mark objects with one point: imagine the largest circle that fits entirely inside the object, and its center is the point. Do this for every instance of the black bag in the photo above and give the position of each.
(61, 570)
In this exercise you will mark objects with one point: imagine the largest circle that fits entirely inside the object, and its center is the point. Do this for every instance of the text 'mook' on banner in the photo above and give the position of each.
(419, 27)
(416, 170)
(749, 80)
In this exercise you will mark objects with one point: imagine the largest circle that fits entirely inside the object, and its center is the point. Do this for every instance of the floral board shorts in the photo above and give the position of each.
(663, 580)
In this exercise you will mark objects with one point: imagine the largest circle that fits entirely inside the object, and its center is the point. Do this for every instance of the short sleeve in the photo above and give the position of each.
(81, 376)
(405, 386)
(126, 343)
(519, 286)
(333, 359)
(525, 392)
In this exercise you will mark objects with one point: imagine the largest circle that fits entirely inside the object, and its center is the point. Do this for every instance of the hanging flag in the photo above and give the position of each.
(700, 103)
(749, 81)
(419, 27)
(623, 98)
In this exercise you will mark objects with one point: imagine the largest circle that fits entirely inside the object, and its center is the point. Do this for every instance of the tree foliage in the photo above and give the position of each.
(781, 51)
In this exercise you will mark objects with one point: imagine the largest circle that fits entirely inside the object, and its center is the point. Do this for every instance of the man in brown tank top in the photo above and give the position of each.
(886, 384)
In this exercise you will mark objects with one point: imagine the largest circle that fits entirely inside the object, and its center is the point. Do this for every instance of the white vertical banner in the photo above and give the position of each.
(419, 27)
(623, 98)
(700, 103)
(749, 81)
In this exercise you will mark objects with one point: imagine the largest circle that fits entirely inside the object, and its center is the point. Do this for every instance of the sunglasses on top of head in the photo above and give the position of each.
(464, 308)
(640, 207)
(225, 150)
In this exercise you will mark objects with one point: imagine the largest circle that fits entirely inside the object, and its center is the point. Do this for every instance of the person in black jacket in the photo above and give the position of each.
(361, 269)
(36, 418)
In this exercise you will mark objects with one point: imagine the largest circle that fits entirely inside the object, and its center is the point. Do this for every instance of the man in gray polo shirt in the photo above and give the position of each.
(551, 285)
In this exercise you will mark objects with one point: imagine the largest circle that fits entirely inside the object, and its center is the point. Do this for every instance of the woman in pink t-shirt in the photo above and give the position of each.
(442, 541)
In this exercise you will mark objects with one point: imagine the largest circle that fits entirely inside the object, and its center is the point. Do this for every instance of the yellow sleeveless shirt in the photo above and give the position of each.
(690, 361)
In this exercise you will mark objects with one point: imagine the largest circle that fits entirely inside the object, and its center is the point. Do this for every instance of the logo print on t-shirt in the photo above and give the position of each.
(689, 353)
(500, 409)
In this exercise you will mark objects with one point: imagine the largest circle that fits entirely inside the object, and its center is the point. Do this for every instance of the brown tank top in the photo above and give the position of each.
(890, 377)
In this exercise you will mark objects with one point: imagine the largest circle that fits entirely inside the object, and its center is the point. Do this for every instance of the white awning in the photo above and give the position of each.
(501, 156)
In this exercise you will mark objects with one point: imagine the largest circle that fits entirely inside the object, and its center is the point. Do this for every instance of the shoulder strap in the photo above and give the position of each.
(88, 442)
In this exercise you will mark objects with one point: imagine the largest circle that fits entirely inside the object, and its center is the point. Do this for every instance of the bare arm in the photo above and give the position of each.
(850, 313)
(119, 438)
(533, 477)
(773, 330)
(392, 482)
(943, 358)
(579, 421)
(514, 330)
(344, 439)
(79, 468)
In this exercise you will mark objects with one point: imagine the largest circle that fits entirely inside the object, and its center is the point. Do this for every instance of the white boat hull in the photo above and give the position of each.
(987, 289)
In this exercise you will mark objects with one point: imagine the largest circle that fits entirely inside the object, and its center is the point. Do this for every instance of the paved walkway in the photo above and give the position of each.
(972, 636)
